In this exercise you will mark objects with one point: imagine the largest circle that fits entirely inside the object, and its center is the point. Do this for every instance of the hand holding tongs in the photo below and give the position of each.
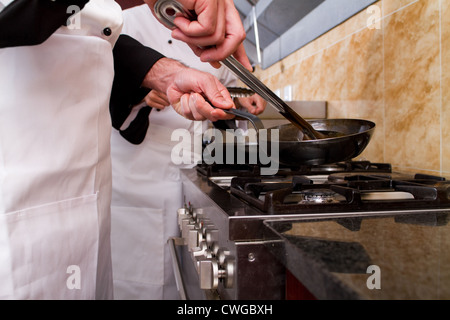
(168, 10)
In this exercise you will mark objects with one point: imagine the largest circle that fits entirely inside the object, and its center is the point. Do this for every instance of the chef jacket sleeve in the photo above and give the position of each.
(31, 22)
(132, 61)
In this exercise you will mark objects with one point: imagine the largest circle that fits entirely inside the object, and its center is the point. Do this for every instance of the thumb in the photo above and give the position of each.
(218, 95)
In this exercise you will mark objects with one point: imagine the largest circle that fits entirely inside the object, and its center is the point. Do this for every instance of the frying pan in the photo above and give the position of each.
(355, 135)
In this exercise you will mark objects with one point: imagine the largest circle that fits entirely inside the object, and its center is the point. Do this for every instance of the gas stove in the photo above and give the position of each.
(352, 191)
(352, 187)
(225, 251)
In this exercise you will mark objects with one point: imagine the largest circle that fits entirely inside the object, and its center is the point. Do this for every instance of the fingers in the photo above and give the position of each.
(216, 41)
(209, 27)
(218, 94)
(254, 104)
(210, 17)
(156, 99)
(190, 80)
(242, 57)
(233, 41)
(187, 88)
(259, 103)
(194, 107)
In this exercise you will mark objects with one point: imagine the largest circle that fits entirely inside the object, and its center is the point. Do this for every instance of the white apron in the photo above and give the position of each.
(55, 172)
(147, 189)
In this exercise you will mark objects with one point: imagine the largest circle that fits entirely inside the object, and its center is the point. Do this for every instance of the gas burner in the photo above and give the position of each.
(349, 191)
(318, 196)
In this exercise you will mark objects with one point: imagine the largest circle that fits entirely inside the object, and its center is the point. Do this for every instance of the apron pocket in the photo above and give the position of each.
(50, 251)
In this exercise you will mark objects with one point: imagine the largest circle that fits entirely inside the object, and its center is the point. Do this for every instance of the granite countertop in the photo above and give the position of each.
(385, 257)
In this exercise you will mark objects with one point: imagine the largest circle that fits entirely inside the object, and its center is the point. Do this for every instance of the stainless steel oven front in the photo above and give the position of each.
(217, 258)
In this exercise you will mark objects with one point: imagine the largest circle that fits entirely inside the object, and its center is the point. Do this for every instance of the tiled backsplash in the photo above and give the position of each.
(395, 72)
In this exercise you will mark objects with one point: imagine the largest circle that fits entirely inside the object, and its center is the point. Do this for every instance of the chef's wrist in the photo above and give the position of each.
(162, 74)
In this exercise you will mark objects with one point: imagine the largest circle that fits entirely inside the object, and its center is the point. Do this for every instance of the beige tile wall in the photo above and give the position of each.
(397, 75)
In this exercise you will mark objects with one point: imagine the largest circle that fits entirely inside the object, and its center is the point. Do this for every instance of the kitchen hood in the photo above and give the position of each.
(284, 26)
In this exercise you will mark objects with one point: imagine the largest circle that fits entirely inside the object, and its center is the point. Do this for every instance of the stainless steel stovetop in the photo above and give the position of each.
(222, 223)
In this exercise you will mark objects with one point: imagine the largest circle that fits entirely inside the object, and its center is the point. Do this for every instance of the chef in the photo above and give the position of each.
(146, 198)
(55, 171)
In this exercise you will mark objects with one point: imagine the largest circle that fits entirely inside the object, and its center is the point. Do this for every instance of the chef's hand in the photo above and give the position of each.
(216, 34)
(254, 104)
(157, 99)
(186, 88)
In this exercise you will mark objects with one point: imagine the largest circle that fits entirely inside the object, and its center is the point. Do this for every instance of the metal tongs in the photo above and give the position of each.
(168, 10)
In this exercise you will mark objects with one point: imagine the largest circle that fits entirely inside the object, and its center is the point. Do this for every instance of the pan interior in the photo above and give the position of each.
(333, 128)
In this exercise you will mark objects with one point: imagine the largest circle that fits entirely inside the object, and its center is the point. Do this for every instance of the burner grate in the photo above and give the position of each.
(351, 192)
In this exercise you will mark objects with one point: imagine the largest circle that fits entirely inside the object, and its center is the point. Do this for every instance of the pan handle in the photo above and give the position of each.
(240, 114)
(173, 242)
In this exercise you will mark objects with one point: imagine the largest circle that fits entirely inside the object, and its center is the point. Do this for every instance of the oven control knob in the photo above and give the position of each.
(226, 272)
(197, 213)
(186, 225)
(186, 221)
(200, 223)
(192, 240)
(211, 272)
(196, 240)
(198, 260)
(222, 255)
(208, 274)
(211, 236)
(215, 249)
(201, 251)
(183, 213)
(200, 236)
(204, 225)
